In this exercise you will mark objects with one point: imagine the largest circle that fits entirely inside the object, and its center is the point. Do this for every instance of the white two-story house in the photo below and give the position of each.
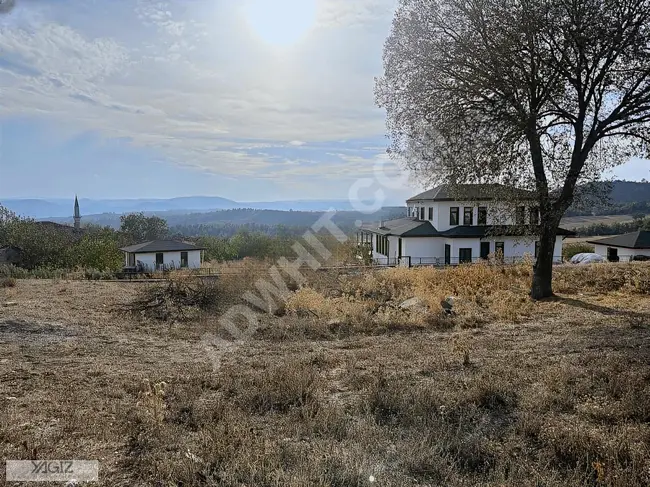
(466, 224)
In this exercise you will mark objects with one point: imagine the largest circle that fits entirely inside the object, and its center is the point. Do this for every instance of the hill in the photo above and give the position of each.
(625, 198)
(60, 208)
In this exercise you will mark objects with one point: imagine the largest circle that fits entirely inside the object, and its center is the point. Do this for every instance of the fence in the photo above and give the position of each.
(165, 273)
(409, 261)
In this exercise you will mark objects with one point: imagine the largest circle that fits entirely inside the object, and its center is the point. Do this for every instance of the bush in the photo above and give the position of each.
(9, 270)
(7, 282)
(569, 250)
(176, 299)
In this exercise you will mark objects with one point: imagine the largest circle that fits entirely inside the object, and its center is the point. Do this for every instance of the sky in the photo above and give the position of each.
(252, 100)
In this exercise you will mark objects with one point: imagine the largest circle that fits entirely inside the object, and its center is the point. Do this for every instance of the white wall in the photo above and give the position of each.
(423, 247)
(171, 258)
(434, 247)
(497, 213)
(624, 254)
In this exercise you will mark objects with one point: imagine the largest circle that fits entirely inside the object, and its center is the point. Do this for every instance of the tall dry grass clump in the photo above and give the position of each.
(633, 277)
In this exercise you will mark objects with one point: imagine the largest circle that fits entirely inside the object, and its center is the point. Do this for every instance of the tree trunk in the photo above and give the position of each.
(542, 286)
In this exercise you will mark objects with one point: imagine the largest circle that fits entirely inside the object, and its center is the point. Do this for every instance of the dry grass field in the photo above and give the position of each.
(344, 388)
(583, 221)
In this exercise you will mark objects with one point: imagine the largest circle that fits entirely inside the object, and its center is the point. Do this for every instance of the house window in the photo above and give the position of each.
(184, 259)
(431, 213)
(536, 249)
(453, 215)
(482, 215)
(468, 216)
(464, 256)
(534, 215)
(160, 260)
(499, 249)
(447, 254)
(422, 213)
(520, 215)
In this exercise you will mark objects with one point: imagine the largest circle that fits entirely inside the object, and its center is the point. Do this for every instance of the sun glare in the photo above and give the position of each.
(280, 23)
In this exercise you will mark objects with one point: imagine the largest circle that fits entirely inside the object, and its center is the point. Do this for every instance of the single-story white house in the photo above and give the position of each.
(163, 255)
(446, 225)
(623, 247)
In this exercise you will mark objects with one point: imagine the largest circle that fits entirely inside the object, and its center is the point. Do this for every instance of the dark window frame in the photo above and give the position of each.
(454, 215)
(185, 259)
(430, 213)
(484, 255)
(468, 211)
(467, 258)
(520, 215)
(422, 213)
(482, 215)
(161, 261)
(534, 215)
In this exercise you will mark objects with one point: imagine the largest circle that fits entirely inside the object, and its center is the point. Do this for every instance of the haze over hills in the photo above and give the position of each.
(626, 197)
(60, 208)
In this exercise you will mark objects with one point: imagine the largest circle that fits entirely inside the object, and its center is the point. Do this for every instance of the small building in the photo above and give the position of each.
(163, 255)
(623, 248)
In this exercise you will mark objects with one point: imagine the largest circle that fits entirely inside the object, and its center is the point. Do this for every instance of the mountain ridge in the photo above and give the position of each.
(622, 193)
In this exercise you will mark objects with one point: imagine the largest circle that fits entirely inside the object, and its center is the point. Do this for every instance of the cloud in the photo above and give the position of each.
(186, 81)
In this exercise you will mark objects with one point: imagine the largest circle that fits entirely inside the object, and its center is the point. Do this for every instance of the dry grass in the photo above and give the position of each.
(554, 393)
(7, 282)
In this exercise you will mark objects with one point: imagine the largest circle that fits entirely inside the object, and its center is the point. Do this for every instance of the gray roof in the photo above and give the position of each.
(634, 240)
(403, 227)
(412, 227)
(470, 192)
(160, 246)
(481, 231)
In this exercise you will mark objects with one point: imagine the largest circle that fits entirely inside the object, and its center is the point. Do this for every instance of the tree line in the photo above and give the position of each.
(54, 246)
(615, 228)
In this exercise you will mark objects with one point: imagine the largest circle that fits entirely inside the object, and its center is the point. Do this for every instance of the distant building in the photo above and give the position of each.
(77, 214)
(162, 255)
(624, 248)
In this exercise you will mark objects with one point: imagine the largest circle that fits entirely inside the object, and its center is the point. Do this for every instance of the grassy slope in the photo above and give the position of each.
(507, 393)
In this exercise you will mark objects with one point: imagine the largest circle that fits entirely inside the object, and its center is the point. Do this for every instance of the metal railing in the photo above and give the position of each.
(449, 261)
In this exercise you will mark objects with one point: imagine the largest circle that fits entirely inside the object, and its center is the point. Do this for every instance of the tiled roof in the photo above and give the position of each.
(410, 227)
(497, 231)
(634, 240)
(470, 192)
(403, 227)
(160, 246)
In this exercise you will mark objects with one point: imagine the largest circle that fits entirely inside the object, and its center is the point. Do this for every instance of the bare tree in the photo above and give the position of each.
(539, 94)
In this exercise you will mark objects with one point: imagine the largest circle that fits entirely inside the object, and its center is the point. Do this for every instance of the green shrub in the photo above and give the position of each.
(9, 270)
